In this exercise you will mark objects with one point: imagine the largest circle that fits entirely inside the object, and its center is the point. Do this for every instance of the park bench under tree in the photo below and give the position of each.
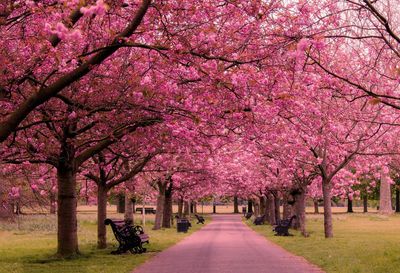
(282, 228)
(260, 220)
(248, 215)
(130, 238)
(200, 219)
(146, 210)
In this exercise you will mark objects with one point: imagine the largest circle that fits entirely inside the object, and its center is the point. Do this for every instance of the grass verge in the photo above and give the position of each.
(362, 243)
(29, 246)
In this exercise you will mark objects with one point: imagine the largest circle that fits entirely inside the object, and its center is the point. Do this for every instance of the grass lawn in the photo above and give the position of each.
(362, 243)
(29, 245)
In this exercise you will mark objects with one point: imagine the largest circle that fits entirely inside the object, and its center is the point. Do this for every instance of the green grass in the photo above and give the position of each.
(28, 245)
(362, 243)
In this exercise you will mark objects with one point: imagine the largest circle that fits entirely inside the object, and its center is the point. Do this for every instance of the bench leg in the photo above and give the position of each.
(121, 249)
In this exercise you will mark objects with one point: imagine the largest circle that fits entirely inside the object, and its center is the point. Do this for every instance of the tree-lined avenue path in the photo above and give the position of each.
(226, 245)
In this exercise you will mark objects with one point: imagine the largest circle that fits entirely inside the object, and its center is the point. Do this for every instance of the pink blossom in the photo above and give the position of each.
(72, 115)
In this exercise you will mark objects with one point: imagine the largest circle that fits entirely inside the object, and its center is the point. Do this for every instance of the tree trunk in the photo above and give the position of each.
(300, 212)
(191, 207)
(101, 216)
(121, 203)
(167, 216)
(194, 207)
(180, 207)
(52, 203)
(186, 208)
(262, 204)
(287, 212)
(214, 208)
(277, 209)
(249, 206)
(256, 208)
(397, 200)
(67, 236)
(326, 191)
(271, 209)
(133, 200)
(385, 197)
(128, 216)
(235, 205)
(6, 209)
(365, 202)
(160, 206)
(316, 208)
(167, 213)
(18, 210)
(267, 210)
(349, 205)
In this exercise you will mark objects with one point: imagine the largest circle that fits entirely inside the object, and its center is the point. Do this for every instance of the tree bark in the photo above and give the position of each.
(67, 236)
(18, 210)
(300, 212)
(167, 213)
(385, 196)
(277, 208)
(121, 203)
(6, 209)
(180, 207)
(262, 204)
(194, 207)
(397, 200)
(365, 202)
(133, 200)
(235, 205)
(249, 205)
(271, 209)
(160, 206)
(186, 208)
(256, 208)
(287, 212)
(316, 208)
(349, 205)
(101, 216)
(128, 216)
(326, 191)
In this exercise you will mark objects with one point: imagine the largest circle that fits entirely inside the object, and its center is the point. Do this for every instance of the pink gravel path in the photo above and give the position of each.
(226, 245)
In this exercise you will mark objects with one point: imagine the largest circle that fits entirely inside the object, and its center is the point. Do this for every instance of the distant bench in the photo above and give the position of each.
(200, 219)
(260, 220)
(248, 215)
(130, 238)
(146, 210)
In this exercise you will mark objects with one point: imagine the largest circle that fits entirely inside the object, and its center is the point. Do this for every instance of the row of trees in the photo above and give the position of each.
(284, 99)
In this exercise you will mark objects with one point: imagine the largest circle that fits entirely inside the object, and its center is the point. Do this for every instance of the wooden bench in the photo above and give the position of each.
(200, 219)
(130, 238)
(248, 215)
(282, 229)
(146, 210)
(260, 220)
